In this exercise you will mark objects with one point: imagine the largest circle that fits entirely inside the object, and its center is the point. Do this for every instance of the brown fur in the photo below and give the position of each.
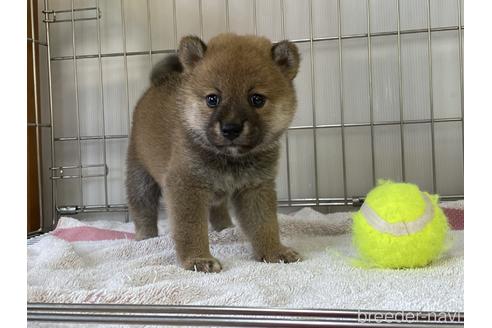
(176, 145)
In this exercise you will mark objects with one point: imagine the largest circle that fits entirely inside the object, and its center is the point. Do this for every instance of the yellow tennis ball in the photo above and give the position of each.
(399, 226)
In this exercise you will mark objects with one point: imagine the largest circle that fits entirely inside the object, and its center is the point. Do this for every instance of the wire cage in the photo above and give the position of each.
(380, 95)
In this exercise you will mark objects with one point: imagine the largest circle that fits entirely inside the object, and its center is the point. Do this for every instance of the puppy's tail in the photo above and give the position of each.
(165, 69)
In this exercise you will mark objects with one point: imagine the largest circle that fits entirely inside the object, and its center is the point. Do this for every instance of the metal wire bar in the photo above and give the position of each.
(80, 176)
(400, 94)
(84, 138)
(299, 127)
(287, 150)
(31, 236)
(37, 125)
(123, 22)
(175, 27)
(200, 13)
(125, 62)
(313, 100)
(371, 98)
(40, 125)
(149, 26)
(75, 20)
(340, 81)
(460, 53)
(328, 199)
(381, 34)
(74, 10)
(297, 202)
(50, 101)
(339, 201)
(211, 321)
(221, 310)
(76, 166)
(36, 41)
(294, 316)
(179, 320)
(431, 99)
(320, 39)
(117, 54)
(76, 84)
(235, 316)
(228, 28)
(351, 125)
(255, 19)
(101, 90)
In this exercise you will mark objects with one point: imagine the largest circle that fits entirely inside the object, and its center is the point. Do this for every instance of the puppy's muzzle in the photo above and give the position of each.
(231, 130)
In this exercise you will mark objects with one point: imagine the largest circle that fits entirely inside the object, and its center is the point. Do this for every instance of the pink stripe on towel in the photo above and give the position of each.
(90, 234)
(456, 218)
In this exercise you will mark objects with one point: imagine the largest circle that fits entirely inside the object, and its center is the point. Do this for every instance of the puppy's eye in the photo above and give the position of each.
(213, 100)
(257, 100)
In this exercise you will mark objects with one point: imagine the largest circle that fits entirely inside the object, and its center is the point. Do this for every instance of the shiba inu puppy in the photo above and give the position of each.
(206, 134)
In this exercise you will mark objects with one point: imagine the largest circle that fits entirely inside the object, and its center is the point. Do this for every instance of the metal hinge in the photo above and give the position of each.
(357, 201)
(68, 210)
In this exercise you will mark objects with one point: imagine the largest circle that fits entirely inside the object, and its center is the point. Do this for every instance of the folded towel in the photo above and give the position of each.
(99, 262)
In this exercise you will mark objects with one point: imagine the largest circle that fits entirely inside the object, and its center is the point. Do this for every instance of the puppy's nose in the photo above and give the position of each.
(231, 130)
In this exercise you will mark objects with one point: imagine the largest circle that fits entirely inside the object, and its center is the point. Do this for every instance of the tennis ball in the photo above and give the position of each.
(399, 226)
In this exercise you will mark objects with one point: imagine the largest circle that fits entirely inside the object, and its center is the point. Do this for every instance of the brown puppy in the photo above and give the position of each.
(207, 132)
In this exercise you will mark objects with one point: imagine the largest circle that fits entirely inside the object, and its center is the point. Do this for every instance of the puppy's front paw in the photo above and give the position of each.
(202, 264)
(282, 255)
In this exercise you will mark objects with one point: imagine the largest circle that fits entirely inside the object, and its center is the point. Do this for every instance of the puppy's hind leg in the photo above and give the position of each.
(143, 200)
(219, 216)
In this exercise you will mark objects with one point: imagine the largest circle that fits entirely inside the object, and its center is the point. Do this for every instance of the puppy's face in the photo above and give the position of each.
(238, 95)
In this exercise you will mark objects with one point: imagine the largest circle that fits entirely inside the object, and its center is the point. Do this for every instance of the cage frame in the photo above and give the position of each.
(227, 316)
(224, 315)
(59, 172)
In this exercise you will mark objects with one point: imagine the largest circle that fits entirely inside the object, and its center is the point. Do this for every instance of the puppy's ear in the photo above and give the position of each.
(191, 51)
(286, 56)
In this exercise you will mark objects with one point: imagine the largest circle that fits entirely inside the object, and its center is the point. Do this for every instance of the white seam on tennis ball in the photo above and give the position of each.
(399, 228)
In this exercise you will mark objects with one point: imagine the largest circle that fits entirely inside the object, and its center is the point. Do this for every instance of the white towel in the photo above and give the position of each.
(145, 272)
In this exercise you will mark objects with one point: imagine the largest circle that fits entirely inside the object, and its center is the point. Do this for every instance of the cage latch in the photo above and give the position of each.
(79, 171)
(65, 15)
